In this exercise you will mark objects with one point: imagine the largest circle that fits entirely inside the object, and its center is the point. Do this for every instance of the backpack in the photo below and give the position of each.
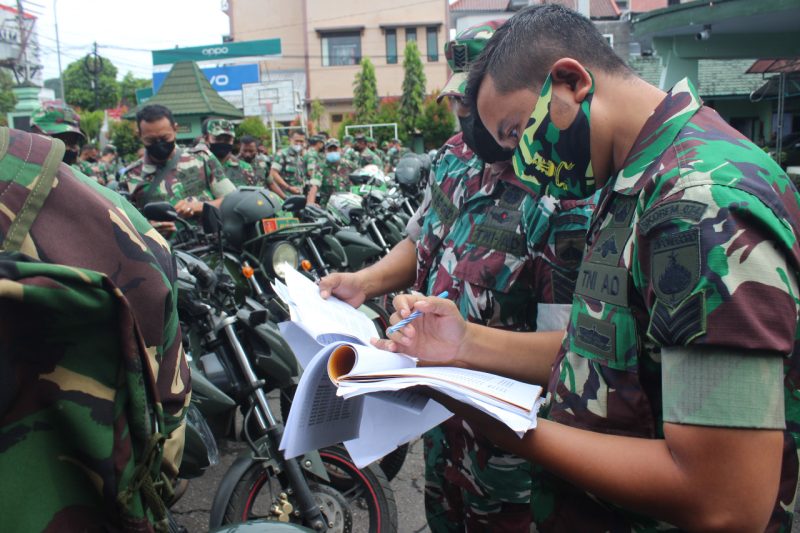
(80, 440)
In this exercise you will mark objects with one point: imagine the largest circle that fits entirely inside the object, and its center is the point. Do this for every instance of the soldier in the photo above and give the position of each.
(482, 235)
(312, 160)
(63, 435)
(219, 134)
(363, 156)
(110, 162)
(261, 163)
(59, 120)
(333, 174)
(394, 153)
(287, 166)
(674, 402)
(89, 164)
(186, 178)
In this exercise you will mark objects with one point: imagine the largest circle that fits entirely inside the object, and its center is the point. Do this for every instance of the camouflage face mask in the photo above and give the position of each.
(556, 162)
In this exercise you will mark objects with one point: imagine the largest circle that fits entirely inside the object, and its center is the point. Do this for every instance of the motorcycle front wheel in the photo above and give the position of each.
(352, 501)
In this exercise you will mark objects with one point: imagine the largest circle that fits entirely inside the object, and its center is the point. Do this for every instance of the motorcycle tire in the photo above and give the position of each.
(366, 493)
(391, 463)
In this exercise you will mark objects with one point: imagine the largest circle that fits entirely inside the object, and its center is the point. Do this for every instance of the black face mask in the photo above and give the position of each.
(160, 150)
(221, 150)
(70, 156)
(246, 159)
(478, 139)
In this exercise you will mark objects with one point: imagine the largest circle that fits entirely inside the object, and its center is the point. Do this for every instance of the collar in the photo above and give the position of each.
(658, 133)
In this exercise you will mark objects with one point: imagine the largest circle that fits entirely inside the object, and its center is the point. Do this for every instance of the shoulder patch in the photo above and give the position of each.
(682, 209)
(675, 265)
(678, 326)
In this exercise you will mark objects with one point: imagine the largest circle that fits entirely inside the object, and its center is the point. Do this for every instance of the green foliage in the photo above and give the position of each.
(317, 112)
(254, 126)
(124, 137)
(388, 112)
(348, 120)
(91, 122)
(413, 89)
(436, 123)
(128, 86)
(365, 93)
(78, 84)
(7, 98)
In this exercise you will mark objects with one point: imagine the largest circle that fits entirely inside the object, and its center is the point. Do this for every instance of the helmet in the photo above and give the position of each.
(243, 209)
(54, 118)
(408, 171)
(426, 163)
(340, 204)
(462, 52)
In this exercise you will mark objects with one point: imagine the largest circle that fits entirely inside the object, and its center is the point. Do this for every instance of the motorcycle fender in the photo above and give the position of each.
(207, 396)
(263, 526)
(350, 237)
(335, 252)
(311, 462)
(277, 363)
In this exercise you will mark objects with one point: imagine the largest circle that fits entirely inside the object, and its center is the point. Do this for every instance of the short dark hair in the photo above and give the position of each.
(296, 132)
(88, 147)
(521, 51)
(248, 139)
(154, 112)
(109, 149)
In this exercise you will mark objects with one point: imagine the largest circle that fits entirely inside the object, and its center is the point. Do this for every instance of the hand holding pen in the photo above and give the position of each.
(412, 316)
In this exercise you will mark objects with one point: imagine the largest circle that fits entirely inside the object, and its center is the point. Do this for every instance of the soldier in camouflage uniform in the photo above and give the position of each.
(479, 235)
(288, 169)
(66, 476)
(248, 151)
(59, 120)
(362, 156)
(219, 134)
(312, 160)
(347, 147)
(333, 173)
(89, 165)
(674, 401)
(185, 177)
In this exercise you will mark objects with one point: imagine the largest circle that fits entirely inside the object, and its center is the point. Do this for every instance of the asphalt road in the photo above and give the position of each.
(192, 511)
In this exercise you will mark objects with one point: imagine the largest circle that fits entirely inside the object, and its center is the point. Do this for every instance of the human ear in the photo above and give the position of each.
(568, 73)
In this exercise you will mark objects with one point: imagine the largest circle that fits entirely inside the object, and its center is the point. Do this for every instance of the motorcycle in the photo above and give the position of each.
(240, 351)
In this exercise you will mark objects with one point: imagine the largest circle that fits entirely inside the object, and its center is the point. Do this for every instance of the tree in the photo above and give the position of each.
(365, 93)
(128, 87)
(255, 127)
(413, 89)
(388, 112)
(125, 139)
(78, 84)
(7, 98)
(436, 123)
(91, 122)
(317, 112)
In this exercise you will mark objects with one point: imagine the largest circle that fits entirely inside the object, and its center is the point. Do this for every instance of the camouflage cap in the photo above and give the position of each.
(370, 139)
(464, 50)
(219, 126)
(360, 137)
(332, 142)
(314, 139)
(56, 117)
(385, 144)
(347, 138)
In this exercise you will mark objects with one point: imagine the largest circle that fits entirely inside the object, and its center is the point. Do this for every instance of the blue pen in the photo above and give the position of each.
(412, 316)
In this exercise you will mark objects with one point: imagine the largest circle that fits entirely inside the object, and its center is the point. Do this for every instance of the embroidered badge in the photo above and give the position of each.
(569, 248)
(680, 209)
(675, 265)
(595, 336)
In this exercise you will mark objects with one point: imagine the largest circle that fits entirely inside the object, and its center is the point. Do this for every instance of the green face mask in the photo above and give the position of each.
(556, 162)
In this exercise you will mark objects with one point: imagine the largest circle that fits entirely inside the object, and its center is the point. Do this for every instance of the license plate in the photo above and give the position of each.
(273, 224)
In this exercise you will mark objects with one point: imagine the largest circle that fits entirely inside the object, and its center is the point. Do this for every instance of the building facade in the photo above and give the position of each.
(322, 43)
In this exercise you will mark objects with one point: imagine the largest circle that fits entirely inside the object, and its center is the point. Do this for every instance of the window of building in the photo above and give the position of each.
(391, 46)
(341, 49)
(610, 38)
(411, 34)
(337, 117)
(433, 43)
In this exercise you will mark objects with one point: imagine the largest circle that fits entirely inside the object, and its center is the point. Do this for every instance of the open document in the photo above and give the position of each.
(354, 393)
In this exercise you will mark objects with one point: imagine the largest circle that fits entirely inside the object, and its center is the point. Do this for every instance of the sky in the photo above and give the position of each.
(125, 30)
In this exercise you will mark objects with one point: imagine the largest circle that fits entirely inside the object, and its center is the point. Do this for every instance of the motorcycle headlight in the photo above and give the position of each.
(282, 254)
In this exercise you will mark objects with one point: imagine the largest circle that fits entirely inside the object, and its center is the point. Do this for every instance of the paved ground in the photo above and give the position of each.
(192, 510)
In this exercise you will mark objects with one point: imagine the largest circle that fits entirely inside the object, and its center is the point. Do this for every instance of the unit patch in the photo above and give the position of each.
(681, 209)
(675, 265)
(595, 336)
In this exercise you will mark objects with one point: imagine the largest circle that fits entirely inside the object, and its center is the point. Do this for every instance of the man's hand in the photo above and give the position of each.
(166, 229)
(294, 190)
(189, 207)
(348, 287)
(435, 336)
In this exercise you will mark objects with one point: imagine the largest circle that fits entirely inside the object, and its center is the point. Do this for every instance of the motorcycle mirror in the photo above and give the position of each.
(294, 204)
(160, 212)
(211, 218)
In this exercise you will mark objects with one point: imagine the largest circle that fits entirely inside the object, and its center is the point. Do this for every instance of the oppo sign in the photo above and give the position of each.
(218, 51)
(210, 52)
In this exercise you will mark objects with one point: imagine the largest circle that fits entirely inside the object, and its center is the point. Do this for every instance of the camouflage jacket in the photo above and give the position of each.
(239, 172)
(362, 159)
(312, 161)
(290, 165)
(483, 234)
(332, 177)
(56, 432)
(261, 165)
(679, 255)
(96, 170)
(189, 172)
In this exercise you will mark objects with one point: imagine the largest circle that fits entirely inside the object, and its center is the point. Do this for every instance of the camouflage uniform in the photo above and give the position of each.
(364, 158)
(261, 165)
(57, 433)
(332, 177)
(312, 161)
(239, 172)
(97, 170)
(693, 248)
(192, 172)
(290, 165)
(508, 260)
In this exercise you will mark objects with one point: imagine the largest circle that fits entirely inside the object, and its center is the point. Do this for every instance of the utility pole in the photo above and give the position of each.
(93, 67)
(22, 60)
(58, 53)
